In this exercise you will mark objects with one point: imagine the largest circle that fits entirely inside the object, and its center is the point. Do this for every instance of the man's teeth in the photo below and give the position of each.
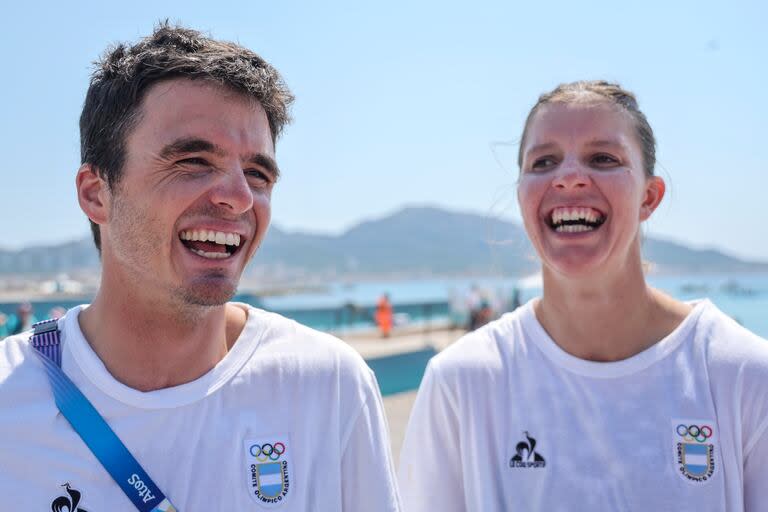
(212, 255)
(217, 237)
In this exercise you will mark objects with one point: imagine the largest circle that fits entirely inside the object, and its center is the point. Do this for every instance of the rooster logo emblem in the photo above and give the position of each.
(527, 456)
(68, 504)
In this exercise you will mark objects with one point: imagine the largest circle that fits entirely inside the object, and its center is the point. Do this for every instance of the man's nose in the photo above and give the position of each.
(232, 191)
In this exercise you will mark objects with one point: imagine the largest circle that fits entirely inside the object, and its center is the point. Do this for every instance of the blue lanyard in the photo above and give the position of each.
(91, 427)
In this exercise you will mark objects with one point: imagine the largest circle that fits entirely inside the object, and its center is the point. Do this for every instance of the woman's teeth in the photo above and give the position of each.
(575, 220)
(579, 228)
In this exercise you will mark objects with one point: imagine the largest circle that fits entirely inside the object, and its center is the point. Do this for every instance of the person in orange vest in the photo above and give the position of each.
(384, 315)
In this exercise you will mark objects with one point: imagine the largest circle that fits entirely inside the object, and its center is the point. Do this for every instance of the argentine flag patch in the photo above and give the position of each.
(694, 447)
(268, 469)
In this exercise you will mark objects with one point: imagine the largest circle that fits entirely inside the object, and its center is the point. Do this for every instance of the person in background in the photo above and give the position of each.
(23, 320)
(384, 315)
(484, 312)
(604, 393)
(225, 406)
(474, 301)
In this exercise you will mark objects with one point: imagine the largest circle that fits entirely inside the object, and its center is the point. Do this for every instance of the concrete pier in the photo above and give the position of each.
(370, 345)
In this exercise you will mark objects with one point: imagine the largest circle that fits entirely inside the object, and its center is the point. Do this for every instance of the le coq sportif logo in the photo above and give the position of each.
(526, 455)
(69, 503)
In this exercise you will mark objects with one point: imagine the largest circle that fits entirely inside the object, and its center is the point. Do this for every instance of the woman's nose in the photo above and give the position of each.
(571, 175)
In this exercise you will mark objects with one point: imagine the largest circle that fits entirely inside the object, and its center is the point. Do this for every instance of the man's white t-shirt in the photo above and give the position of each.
(291, 420)
(507, 420)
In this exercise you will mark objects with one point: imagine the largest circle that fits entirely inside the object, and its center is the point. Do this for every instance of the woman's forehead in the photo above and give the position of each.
(583, 122)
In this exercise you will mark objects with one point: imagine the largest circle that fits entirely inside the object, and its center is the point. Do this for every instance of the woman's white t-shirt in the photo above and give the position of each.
(507, 420)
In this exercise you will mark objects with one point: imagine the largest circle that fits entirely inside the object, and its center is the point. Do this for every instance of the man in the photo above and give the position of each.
(225, 407)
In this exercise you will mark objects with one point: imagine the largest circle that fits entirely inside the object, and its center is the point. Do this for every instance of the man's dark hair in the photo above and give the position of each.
(124, 74)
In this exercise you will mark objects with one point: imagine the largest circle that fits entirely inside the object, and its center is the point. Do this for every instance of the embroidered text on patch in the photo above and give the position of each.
(695, 449)
(268, 464)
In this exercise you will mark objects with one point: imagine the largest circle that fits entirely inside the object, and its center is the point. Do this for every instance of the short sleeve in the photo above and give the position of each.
(756, 473)
(368, 476)
(430, 463)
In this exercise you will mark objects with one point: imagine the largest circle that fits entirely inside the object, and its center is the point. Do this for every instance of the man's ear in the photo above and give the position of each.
(654, 193)
(93, 194)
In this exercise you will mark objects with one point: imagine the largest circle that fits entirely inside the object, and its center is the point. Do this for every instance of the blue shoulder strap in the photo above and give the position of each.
(93, 429)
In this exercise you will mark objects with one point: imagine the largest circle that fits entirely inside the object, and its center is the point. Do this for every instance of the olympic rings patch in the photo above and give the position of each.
(268, 468)
(692, 433)
(267, 451)
(695, 451)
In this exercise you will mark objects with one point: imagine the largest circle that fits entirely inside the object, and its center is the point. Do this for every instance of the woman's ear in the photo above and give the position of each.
(654, 193)
(92, 194)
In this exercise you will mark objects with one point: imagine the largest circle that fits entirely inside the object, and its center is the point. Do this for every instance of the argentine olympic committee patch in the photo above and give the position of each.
(269, 470)
(694, 448)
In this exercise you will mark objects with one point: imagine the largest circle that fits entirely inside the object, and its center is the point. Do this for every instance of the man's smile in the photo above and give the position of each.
(211, 244)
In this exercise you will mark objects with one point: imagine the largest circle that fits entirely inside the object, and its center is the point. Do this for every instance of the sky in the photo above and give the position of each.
(405, 103)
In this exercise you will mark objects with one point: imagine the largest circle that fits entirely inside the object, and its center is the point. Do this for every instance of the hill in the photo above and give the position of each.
(415, 241)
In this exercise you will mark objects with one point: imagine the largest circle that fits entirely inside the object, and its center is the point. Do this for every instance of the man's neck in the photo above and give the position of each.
(149, 345)
(609, 318)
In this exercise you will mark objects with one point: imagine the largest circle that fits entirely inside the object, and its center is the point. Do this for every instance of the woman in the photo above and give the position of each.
(603, 394)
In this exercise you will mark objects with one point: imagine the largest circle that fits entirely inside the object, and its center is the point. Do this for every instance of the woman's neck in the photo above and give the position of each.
(609, 317)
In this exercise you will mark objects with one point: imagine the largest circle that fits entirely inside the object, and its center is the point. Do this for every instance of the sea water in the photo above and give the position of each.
(742, 296)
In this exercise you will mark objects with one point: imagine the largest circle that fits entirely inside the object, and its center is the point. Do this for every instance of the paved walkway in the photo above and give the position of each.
(370, 345)
(398, 406)
(398, 410)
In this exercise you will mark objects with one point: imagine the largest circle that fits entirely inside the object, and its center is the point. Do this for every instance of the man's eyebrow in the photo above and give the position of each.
(265, 161)
(197, 145)
(190, 145)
